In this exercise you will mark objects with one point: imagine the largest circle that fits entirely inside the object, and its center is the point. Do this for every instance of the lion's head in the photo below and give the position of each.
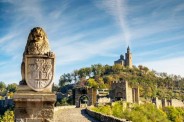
(37, 42)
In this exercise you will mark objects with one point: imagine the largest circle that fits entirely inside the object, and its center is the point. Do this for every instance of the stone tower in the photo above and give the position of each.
(122, 90)
(128, 61)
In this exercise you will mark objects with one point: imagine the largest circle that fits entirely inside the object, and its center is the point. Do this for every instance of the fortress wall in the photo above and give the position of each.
(177, 103)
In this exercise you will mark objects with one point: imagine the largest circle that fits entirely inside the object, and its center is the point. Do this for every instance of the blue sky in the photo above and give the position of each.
(86, 32)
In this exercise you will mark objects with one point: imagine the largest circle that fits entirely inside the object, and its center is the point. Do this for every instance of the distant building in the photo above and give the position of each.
(83, 96)
(121, 90)
(127, 61)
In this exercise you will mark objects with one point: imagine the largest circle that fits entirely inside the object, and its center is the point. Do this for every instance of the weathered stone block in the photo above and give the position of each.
(33, 105)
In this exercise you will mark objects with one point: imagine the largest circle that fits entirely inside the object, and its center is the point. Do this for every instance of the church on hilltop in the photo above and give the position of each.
(127, 61)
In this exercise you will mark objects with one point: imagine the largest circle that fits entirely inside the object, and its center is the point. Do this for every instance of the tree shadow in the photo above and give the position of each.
(84, 113)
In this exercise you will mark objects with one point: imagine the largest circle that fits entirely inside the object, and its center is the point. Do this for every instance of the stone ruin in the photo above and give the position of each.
(80, 92)
(121, 90)
(34, 100)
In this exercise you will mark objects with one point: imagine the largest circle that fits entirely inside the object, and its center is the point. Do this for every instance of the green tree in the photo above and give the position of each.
(174, 114)
(97, 69)
(12, 87)
(92, 83)
(108, 79)
(117, 68)
(75, 75)
(82, 73)
(117, 109)
(2, 86)
(101, 84)
(55, 88)
(64, 101)
(65, 79)
(108, 70)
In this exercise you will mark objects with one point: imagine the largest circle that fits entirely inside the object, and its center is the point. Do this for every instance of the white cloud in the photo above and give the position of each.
(117, 8)
(158, 51)
(7, 37)
(170, 66)
(85, 50)
(179, 7)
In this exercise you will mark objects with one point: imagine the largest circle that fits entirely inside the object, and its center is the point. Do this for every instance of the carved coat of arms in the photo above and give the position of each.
(39, 71)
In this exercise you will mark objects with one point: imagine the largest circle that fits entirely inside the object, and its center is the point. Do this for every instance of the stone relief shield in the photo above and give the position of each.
(39, 71)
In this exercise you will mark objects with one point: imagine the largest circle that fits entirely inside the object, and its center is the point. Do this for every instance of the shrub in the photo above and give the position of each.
(8, 116)
(174, 114)
(136, 113)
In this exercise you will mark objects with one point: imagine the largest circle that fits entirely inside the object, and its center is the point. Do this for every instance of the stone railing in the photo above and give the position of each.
(103, 117)
(63, 107)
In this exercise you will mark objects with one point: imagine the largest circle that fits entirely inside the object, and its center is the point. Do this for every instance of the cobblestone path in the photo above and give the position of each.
(73, 115)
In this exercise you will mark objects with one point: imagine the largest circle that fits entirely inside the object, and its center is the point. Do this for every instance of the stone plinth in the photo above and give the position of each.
(31, 106)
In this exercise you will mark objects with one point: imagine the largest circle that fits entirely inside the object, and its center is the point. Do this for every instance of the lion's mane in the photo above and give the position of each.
(33, 48)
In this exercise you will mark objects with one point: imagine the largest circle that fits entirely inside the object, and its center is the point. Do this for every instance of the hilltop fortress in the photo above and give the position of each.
(127, 62)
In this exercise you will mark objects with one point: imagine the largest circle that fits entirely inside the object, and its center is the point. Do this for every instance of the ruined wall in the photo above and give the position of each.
(164, 102)
(129, 93)
(177, 103)
(89, 92)
(157, 102)
(121, 89)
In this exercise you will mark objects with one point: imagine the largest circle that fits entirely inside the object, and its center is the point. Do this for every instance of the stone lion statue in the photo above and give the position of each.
(37, 44)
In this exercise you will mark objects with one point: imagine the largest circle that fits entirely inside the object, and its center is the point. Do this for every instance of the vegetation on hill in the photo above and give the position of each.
(142, 113)
(7, 90)
(151, 83)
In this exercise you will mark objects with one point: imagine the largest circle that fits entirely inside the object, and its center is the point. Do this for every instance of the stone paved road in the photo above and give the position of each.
(73, 115)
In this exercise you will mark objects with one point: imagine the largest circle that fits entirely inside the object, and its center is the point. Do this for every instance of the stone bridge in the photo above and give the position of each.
(71, 114)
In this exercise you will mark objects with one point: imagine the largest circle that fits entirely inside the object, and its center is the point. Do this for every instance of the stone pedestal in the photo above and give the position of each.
(34, 102)
(31, 106)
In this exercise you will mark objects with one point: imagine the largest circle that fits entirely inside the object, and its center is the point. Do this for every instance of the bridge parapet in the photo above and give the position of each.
(103, 117)
(63, 107)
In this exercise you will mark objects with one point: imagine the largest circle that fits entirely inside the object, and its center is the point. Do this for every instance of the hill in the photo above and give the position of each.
(151, 83)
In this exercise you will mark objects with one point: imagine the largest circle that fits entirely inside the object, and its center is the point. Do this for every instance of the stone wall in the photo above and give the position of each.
(32, 106)
(157, 102)
(164, 103)
(63, 107)
(122, 90)
(129, 95)
(177, 103)
(104, 118)
(90, 93)
(103, 100)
